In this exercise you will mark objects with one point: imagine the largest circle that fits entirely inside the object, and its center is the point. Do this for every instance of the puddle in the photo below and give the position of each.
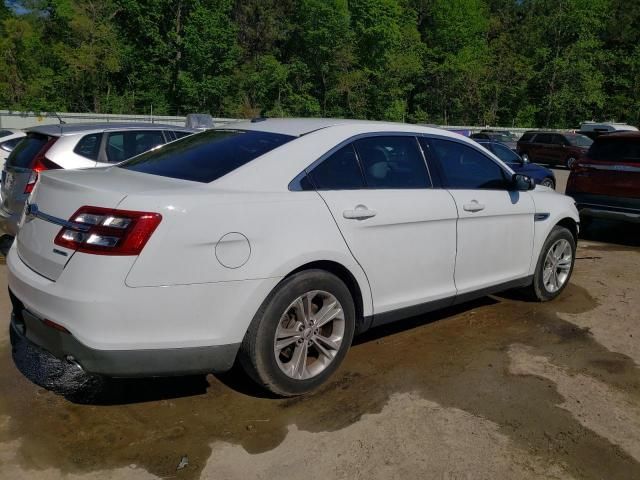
(456, 358)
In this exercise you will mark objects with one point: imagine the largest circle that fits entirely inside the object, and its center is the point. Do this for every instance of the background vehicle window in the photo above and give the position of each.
(506, 154)
(527, 136)
(24, 153)
(392, 162)
(559, 140)
(615, 151)
(465, 167)
(206, 156)
(180, 134)
(340, 171)
(544, 138)
(9, 145)
(124, 145)
(580, 141)
(89, 146)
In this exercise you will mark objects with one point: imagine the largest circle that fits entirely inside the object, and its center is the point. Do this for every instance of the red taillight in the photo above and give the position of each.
(105, 231)
(40, 163)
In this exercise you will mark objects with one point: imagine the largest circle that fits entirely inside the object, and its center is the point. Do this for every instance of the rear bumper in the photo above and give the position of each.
(122, 331)
(28, 330)
(607, 207)
(9, 222)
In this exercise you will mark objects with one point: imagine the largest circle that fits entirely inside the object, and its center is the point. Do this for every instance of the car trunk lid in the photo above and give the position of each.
(58, 196)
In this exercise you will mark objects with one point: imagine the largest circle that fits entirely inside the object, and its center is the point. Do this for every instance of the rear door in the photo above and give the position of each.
(400, 229)
(495, 226)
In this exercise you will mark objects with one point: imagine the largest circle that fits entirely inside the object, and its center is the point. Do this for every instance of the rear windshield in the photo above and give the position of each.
(206, 156)
(579, 140)
(612, 150)
(22, 156)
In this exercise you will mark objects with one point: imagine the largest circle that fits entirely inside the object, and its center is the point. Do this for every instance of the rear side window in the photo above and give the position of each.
(339, 171)
(463, 167)
(89, 146)
(124, 145)
(207, 156)
(22, 156)
(612, 150)
(392, 162)
(527, 136)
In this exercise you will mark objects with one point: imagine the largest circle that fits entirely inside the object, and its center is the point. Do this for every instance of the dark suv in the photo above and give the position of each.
(553, 148)
(605, 183)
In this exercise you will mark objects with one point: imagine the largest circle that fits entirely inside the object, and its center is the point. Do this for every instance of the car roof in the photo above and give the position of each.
(75, 128)
(296, 127)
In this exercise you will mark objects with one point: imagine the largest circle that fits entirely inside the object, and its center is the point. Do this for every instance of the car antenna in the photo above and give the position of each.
(62, 122)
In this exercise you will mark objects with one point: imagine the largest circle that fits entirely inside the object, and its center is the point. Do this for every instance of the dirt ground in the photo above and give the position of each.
(498, 388)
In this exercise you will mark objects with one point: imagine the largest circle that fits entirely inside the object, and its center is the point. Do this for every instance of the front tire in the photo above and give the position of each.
(301, 333)
(555, 265)
(570, 162)
(525, 158)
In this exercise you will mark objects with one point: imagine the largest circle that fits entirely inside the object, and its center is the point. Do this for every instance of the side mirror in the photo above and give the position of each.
(522, 183)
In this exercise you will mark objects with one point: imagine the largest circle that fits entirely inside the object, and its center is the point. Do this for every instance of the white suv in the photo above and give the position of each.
(274, 242)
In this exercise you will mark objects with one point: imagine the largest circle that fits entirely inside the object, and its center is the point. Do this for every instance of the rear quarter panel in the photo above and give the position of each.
(284, 230)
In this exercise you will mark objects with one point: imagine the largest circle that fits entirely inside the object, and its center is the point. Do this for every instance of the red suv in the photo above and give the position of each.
(606, 182)
(553, 148)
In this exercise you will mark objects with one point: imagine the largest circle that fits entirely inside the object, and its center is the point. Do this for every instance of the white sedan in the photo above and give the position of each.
(273, 242)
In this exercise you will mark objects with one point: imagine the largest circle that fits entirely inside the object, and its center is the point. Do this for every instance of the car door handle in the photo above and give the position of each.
(473, 206)
(361, 212)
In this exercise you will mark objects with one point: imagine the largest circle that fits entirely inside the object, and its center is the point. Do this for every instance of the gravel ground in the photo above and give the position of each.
(498, 388)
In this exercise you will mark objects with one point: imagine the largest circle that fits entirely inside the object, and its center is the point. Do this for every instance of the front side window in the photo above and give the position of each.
(527, 136)
(393, 162)
(463, 167)
(89, 146)
(339, 171)
(124, 145)
(206, 156)
(580, 141)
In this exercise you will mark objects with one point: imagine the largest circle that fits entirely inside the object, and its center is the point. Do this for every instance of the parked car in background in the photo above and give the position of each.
(553, 148)
(541, 175)
(273, 242)
(50, 147)
(605, 183)
(9, 138)
(504, 137)
(594, 129)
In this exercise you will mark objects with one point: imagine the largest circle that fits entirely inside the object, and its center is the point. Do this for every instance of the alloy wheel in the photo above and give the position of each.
(557, 265)
(309, 335)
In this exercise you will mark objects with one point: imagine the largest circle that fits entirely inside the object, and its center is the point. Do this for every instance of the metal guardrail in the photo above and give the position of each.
(12, 119)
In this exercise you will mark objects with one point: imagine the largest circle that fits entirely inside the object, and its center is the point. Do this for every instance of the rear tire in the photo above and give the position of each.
(290, 347)
(554, 267)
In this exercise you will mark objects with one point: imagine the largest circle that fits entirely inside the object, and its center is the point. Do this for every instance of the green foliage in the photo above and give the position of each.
(496, 62)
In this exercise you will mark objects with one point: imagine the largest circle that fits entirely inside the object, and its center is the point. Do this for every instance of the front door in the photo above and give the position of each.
(495, 226)
(400, 229)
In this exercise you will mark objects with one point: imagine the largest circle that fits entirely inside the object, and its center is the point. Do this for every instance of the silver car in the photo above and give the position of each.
(49, 147)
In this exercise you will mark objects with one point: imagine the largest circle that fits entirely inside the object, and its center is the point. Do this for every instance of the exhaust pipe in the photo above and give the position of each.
(71, 359)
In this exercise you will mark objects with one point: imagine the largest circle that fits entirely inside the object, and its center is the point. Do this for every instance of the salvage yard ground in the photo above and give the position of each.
(498, 388)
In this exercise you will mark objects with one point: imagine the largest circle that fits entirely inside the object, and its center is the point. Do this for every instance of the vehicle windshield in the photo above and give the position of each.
(579, 140)
(206, 156)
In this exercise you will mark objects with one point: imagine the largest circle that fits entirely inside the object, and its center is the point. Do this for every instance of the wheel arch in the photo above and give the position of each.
(344, 274)
(571, 225)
